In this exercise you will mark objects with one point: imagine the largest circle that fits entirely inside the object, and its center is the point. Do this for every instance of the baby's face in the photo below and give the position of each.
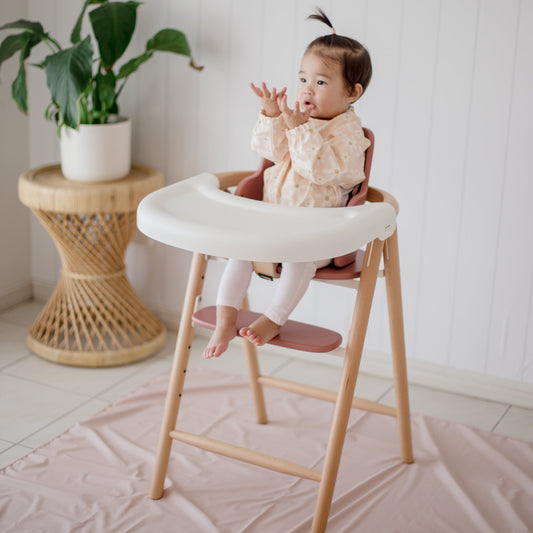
(321, 87)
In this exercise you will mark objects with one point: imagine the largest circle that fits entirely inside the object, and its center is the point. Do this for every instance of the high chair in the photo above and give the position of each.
(198, 214)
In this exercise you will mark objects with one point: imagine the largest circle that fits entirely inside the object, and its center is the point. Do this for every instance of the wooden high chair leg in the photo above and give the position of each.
(177, 375)
(394, 302)
(254, 374)
(352, 358)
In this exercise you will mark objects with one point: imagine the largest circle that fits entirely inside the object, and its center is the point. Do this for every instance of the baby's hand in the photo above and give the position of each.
(293, 117)
(269, 99)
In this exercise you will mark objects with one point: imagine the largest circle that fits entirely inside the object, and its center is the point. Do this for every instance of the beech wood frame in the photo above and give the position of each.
(344, 399)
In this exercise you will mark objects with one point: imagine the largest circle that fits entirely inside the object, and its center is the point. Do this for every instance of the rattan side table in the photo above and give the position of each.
(94, 317)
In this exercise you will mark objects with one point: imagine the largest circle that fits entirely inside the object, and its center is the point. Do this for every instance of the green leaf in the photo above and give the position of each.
(25, 42)
(33, 27)
(75, 36)
(133, 64)
(11, 45)
(169, 40)
(113, 25)
(21, 41)
(67, 74)
(19, 90)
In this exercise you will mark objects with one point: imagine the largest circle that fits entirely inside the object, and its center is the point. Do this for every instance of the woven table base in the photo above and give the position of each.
(95, 322)
(94, 317)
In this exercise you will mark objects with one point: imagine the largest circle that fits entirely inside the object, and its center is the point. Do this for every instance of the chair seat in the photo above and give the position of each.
(295, 335)
(350, 271)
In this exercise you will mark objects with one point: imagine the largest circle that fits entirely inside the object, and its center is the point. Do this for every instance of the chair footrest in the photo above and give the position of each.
(295, 335)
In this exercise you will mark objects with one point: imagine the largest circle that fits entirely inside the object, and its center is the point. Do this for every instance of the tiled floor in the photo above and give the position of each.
(40, 399)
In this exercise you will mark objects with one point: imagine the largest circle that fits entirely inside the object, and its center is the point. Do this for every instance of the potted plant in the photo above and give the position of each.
(85, 89)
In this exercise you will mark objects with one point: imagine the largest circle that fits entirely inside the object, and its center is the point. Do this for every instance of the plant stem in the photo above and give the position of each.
(49, 41)
(120, 89)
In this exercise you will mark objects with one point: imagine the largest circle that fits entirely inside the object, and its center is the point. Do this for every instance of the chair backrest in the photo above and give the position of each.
(359, 197)
(252, 186)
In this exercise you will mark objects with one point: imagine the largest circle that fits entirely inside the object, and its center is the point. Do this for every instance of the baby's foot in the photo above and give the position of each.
(225, 330)
(260, 331)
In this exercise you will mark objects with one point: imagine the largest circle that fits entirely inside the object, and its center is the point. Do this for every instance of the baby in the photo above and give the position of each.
(318, 150)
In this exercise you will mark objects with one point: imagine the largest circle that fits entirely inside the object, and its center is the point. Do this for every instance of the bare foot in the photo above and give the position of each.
(225, 330)
(260, 331)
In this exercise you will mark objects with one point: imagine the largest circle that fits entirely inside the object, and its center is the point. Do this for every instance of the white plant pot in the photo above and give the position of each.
(96, 152)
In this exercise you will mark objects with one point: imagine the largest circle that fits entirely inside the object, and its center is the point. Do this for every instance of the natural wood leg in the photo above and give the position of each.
(394, 301)
(177, 376)
(254, 373)
(352, 358)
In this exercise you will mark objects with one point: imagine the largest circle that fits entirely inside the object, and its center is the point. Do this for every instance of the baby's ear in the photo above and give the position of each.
(355, 93)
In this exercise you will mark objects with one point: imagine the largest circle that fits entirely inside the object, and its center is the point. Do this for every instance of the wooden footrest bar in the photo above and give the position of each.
(294, 335)
(325, 394)
(246, 455)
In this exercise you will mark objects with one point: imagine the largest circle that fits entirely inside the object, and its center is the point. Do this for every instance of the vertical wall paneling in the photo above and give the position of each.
(442, 182)
(44, 145)
(14, 148)
(246, 47)
(511, 297)
(212, 115)
(483, 182)
(152, 80)
(278, 67)
(182, 95)
(378, 110)
(413, 128)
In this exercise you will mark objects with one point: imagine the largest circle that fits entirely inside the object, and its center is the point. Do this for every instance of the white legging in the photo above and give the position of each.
(293, 283)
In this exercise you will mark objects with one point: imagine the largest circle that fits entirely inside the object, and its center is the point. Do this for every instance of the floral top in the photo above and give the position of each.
(315, 163)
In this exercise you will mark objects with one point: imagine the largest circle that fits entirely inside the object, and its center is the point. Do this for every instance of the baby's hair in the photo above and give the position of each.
(352, 55)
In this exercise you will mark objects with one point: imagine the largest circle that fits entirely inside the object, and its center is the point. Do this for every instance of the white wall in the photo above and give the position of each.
(15, 282)
(451, 107)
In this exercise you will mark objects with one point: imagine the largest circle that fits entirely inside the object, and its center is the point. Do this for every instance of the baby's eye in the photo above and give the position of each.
(321, 82)
(302, 80)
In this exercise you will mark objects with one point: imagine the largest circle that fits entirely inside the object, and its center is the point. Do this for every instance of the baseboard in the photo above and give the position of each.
(455, 380)
(171, 319)
(15, 296)
(431, 375)
(42, 290)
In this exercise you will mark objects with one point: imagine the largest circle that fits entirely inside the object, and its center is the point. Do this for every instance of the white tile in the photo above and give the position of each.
(328, 377)
(144, 374)
(23, 314)
(12, 454)
(372, 387)
(26, 407)
(453, 407)
(234, 359)
(61, 424)
(4, 445)
(517, 423)
(12, 343)
(167, 349)
(318, 375)
(82, 380)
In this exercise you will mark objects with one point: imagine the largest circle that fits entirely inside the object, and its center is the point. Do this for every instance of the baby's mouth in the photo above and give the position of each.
(308, 106)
